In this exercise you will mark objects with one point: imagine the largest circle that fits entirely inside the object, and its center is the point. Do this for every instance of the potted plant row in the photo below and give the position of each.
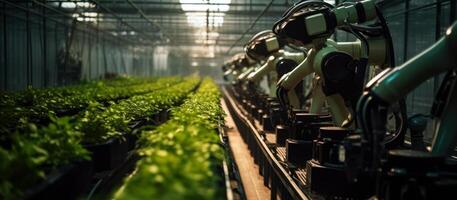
(180, 158)
(70, 101)
(39, 162)
(32, 95)
(50, 162)
(108, 128)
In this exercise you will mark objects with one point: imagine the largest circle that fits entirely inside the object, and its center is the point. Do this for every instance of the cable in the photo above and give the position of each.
(148, 37)
(145, 17)
(66, 16)
(315, 4)
(252, 25)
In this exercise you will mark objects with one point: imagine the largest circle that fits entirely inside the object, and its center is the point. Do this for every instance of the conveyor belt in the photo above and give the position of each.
(281, 180)
(281, 153)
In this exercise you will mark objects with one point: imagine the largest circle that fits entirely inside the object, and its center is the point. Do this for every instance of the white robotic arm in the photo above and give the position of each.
(270, 64)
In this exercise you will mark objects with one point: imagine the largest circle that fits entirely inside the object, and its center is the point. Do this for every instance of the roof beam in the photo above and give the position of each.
(147, 2)
(156, 11)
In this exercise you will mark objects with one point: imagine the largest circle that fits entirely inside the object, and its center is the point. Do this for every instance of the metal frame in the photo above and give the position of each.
(265, 10)
(146, 36)
(49, 17)
(166, 19)
(29, 47)
(243, 19)
(43, 14)
(5, 54)
(45, 41)
(121, 6)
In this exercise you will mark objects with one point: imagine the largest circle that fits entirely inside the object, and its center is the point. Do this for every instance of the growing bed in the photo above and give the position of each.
(48, 152)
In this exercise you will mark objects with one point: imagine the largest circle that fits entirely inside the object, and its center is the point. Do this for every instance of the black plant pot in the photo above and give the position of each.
(164, 115)
(131, 140)
(67, 182)
(108, 155)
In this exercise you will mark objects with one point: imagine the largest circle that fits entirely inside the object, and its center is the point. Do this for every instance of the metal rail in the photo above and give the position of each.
(252, 26)
(147, 37)
(144, 15)
(175, 3)
(275, 176)
(56, 20)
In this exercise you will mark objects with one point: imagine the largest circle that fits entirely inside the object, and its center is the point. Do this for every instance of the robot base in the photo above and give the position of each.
(298, 151)
(332, 181)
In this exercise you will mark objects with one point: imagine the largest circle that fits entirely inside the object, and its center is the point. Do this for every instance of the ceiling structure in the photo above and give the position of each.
(206, 28)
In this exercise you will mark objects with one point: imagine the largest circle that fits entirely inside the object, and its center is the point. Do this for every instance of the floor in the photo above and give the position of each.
(249, 171)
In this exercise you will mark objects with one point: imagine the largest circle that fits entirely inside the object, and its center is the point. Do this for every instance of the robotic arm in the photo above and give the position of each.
(317, 20)
(265, 69)
(267, 45)
(314, 26)
(270, 64)
(319, 23)
(394, 84)
(313, 64)
(244, 75)
(263, 46)
(354, 49)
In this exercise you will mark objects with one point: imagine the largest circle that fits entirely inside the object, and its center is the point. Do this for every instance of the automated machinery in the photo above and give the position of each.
(342, 69)
(341, 66)
(363, 156)
(275, 61)
(267, 46)
(231, 68)
(238, 67)
(406, 173)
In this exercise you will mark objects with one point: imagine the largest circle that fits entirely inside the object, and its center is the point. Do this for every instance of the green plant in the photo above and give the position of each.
(101, 123)
(180, 158)
(35, 152)
(98, 125)
(60, 139)
(35, 105)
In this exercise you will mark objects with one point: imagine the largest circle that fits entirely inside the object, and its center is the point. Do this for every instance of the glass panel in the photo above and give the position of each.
(445, 17)
(421, 32)
(16, 46)
(3, 68)
(421, 35)
(397, 29)
(416, 3)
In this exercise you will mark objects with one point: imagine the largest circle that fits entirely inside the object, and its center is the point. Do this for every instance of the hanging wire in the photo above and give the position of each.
(148, 37)
(140, 11)
(265, 10)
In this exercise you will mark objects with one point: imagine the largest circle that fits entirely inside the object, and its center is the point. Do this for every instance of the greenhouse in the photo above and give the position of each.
(228, 99)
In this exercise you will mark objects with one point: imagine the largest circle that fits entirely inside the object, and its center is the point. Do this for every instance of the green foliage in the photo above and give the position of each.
(98, 119)
(31, 151)
(28, 151)
(180, 158)
(101, 123)
(60, 140)
(35, 152)
(36, 105)
(33, 96)
(98, 125)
